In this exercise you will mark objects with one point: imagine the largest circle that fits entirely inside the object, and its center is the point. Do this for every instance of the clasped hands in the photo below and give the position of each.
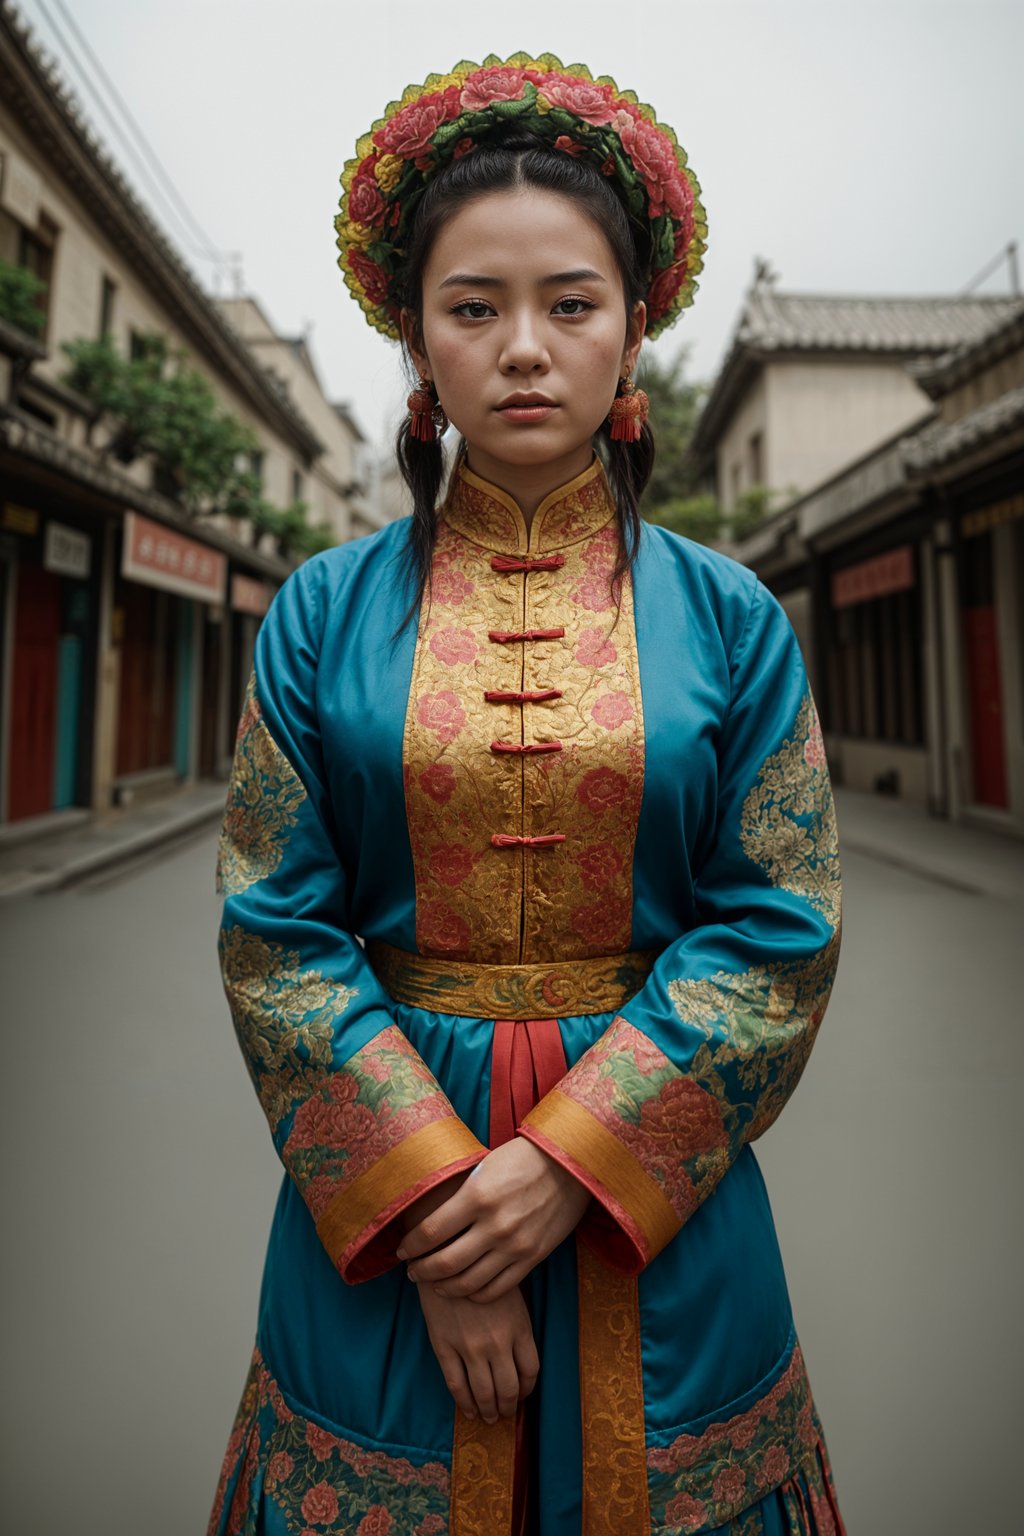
(516, 1207)
(480, 1237)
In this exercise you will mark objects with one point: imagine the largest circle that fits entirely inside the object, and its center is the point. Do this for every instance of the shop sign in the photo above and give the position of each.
(161, 557)
(20, 519)
(249, 595)
(891, 572)
(990, 517)
(66, 551)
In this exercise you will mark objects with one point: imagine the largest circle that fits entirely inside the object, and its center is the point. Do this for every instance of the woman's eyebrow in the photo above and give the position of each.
(480, 280)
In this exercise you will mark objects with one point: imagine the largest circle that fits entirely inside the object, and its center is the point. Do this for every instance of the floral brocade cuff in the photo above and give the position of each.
(376, 1136)
(640, 1135)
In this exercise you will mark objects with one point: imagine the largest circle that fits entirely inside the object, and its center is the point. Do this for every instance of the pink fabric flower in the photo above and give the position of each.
(365, 204)
(599, 865)
(814, 746)
(372, 278)
(376, 1522)
(493, 84)
(602, 789)
(320, 1506)
(773, 1468)
(592, 103)
(593, 649)
(686, 1511)
(654, 160)
(729, 1485)
(450, 587)
(409, 132)
(612, 709)
(593, 593)
(441, 713)
(441, 929)
(438, 781)
(570, 146)
(320, 1442)
(451, 864)
(453, 645)
(279, 1467)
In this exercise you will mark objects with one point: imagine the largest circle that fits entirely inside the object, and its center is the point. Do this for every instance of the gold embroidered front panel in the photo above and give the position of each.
(524, 742)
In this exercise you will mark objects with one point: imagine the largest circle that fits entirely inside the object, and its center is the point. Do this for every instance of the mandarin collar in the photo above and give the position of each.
(489, 516)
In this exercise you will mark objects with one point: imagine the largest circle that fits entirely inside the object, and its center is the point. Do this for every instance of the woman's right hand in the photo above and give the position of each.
(486, 1351)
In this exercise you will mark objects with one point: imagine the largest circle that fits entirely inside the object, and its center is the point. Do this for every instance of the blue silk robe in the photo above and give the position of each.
(590, 846)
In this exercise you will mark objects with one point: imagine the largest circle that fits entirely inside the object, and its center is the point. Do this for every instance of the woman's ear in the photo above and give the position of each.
(414, 343)
(634, 337)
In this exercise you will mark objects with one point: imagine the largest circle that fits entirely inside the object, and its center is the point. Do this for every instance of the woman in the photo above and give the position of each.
(563, 774)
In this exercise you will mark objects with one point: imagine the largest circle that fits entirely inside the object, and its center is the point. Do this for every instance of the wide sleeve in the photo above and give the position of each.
(359, 1121)
(702, 1059)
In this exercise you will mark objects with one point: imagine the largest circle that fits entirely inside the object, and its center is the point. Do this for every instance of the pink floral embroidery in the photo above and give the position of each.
(612, 709)
(373, 278)
(320, 1442)
(814, 746)
(279, 1467)
(602, 789)
(320, 1504)
(654, 158)
(569, 146)
(600, 864)
(491, 85)
(451, 864)
(409, 132)
(376, 1522)
(453, 645)
(441, 713)
(686, 1511)
(602, 924)
(593, 593)
(773, 1468)
(441, 930)
(450, 586)
(438, 781)
(593, 650)
(730, 1485)
(592, 103)
(365, 204)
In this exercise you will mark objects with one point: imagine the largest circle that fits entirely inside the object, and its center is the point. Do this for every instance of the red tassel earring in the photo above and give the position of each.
(628, 412)
(428, 421)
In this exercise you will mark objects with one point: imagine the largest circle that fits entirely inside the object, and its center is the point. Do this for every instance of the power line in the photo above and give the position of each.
(144, 156)
(1007, 254)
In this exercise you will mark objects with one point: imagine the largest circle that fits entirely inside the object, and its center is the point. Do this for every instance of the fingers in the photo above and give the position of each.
(524, 1352)
(450, 1260)
(472, 1279)
(457, 1382)
(439, 1227)
(481, 1383)
(504, 1282)
(506, 1384)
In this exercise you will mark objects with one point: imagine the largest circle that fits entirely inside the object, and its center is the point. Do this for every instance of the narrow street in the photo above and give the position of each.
(140, 1180)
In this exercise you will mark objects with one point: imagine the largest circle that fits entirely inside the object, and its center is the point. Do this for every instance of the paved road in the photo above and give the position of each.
(139, 1181)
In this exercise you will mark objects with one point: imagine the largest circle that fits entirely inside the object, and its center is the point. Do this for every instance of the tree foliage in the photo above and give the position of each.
(158, 404)
(20, 291)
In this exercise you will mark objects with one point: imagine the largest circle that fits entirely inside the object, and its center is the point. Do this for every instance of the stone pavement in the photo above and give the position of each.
(76, 846)
(968, 859)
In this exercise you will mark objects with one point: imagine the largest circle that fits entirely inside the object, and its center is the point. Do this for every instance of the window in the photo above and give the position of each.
(108, 289)
(256, 462)
(296, 485)
(36, 252)
(755, 459)
(875, 671)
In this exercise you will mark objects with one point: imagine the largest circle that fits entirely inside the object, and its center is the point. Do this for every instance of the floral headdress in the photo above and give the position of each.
(449, 115)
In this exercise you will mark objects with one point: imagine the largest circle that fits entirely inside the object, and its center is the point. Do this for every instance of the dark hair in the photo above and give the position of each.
(496, 166)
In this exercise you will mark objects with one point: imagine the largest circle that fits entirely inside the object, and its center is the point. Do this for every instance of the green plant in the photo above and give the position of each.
(752, 507)
(20, 291)
(696, 517)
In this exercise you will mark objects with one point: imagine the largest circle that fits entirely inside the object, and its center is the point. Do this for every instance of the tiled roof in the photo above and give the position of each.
(774, 321)
(903, 329)
(944, 442)
(937, 376)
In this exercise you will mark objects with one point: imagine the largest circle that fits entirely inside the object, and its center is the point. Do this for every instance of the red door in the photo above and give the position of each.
(34, 692)
(988, 758)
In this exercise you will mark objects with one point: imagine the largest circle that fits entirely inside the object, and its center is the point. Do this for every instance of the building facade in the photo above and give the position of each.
(126, 622)
(903, 572)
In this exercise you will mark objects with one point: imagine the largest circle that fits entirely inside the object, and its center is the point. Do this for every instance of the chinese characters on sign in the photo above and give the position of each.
(891, 572)
(161, 557)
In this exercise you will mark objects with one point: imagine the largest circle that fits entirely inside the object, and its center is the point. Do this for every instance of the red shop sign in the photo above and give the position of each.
(891, 572)
(161, 557)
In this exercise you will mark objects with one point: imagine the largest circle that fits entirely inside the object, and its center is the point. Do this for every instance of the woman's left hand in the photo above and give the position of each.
(518, 1205)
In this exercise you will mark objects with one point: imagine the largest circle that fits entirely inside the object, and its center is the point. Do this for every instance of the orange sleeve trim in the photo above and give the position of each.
(590, 1144)
(357, 1209)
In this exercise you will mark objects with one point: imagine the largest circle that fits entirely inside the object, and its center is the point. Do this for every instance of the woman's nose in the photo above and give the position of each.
(523, 347)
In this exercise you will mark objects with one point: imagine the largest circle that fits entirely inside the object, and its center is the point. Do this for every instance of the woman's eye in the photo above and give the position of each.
(472, 309)
(582, 305)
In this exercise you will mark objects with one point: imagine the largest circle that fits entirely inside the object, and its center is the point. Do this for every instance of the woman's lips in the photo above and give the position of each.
(526, 413)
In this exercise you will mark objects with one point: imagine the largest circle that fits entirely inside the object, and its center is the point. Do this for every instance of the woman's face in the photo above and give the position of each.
(522, 296)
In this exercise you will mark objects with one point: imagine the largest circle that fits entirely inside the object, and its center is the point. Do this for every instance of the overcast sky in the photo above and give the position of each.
(866, 148)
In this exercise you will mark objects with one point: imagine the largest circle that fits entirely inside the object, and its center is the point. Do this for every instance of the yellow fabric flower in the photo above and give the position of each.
(388, 172)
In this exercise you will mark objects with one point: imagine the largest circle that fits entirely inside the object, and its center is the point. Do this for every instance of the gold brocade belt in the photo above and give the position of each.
(549, 988)
(488, 1460)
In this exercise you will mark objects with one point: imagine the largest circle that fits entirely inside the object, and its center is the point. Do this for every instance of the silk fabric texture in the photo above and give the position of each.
(532, 795)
